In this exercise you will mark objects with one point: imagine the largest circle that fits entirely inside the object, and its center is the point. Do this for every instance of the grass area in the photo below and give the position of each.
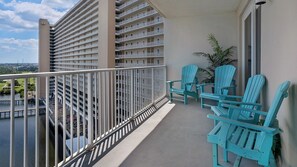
(19, 88)
(1, 86)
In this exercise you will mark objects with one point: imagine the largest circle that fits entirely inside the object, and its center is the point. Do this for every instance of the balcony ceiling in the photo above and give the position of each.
(181, 8)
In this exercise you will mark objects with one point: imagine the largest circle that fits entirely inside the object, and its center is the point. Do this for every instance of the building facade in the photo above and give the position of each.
(102, 34)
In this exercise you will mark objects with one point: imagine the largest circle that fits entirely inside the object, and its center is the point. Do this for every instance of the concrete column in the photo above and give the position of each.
(106, 35)
(43, 52)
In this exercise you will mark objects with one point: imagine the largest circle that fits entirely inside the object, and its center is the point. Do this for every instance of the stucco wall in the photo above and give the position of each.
(279, 58)
(186, 35)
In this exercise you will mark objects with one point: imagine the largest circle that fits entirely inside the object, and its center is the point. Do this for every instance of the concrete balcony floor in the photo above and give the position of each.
(178, 140)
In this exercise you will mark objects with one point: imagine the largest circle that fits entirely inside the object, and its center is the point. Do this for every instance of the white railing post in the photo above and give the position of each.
(56, 121)
(90, 112)
(47, 122)
(132, 105)
(153, 86)
(37, 122)
(71, 116)
(25, 123)
(64, 118)
(12, 128)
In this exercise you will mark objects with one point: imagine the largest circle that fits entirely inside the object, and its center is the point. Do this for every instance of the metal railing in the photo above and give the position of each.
(85, 108)
(141, 45)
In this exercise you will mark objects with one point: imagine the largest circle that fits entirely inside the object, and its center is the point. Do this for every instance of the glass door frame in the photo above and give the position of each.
(249, 11)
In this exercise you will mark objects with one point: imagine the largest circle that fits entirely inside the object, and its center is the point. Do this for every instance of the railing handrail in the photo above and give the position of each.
(51, 74)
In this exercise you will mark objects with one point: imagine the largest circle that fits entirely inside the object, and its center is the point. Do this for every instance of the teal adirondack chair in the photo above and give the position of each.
(248, 100)
(248, 140)
(223, 82)
(188, 80)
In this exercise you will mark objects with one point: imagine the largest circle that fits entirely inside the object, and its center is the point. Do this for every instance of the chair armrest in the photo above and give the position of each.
(243, 124)
(189, 83)
(240, 103)
(201, 86)
(173, 81)
(205, 84)
(227, 87)
(245, 109)
(230, 97)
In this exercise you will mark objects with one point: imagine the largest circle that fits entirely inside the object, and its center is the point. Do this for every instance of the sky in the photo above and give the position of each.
(19, 26)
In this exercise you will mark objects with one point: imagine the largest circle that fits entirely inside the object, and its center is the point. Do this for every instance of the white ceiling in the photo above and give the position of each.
(180, 8)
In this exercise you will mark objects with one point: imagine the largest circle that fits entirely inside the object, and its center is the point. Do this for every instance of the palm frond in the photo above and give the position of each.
(218, 58)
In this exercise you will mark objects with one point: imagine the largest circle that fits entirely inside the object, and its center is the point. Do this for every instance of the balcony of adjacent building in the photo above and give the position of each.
(137, 17)
(140, 36)
(133, 10)
(139, 26)
(141, 45)
(142, 55)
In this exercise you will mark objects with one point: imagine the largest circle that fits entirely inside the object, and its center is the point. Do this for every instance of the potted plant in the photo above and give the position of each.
(219, 57)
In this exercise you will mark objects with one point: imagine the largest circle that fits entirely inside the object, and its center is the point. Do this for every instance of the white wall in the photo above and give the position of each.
(279, 63)
(186, 35)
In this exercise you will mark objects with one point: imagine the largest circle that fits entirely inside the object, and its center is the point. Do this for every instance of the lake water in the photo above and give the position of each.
(19, 142)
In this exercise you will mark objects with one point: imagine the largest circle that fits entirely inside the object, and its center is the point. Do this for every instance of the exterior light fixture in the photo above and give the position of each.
(260, 2)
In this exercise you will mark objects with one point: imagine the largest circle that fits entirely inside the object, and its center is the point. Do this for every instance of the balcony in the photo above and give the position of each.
(176, 135)
(135, 18)
(138, 46)
(75, 124)
(140, 26)
(135, 9)
(140, 36)
(145, 55)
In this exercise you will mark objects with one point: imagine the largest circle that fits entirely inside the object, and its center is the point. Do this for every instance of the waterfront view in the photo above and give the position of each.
(19, 141)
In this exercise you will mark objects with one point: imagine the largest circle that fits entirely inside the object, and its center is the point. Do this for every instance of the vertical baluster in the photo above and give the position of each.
(47, 122)
(37, 123)
(96, 119)
(111, 98)
(115, 97)
(12, 126)
(107, 80)
(132, 93)
(132, 101)
(77, 114)
(164, 82)
(71, 115)
(153, 86)
(104, 102)
(126, 93)
(100, 104)
(64, 118)
(121, 96)
(139, 75)
(25, 123)
(56, 121)
(90, 112)
(84, 112)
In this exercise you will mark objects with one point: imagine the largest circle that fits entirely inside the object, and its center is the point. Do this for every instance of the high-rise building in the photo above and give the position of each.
(102, 34)
(139, 34)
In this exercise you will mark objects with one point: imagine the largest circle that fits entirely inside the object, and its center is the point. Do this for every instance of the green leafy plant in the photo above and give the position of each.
(219, 57)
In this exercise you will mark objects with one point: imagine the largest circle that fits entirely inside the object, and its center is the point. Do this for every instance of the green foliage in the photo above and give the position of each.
(219, 57)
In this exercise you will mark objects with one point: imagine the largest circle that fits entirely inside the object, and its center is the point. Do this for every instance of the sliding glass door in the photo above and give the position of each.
(251, 42)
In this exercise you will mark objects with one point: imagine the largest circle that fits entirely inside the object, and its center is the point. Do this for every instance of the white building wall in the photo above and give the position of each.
(186, 35)
(279, 58)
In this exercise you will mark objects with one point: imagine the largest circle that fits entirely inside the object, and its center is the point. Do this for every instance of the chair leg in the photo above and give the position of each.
(215, 155)
(237, 161)
(170, 97)
(272, 162)
(202, 102)
(225, 153)
(185, 99)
